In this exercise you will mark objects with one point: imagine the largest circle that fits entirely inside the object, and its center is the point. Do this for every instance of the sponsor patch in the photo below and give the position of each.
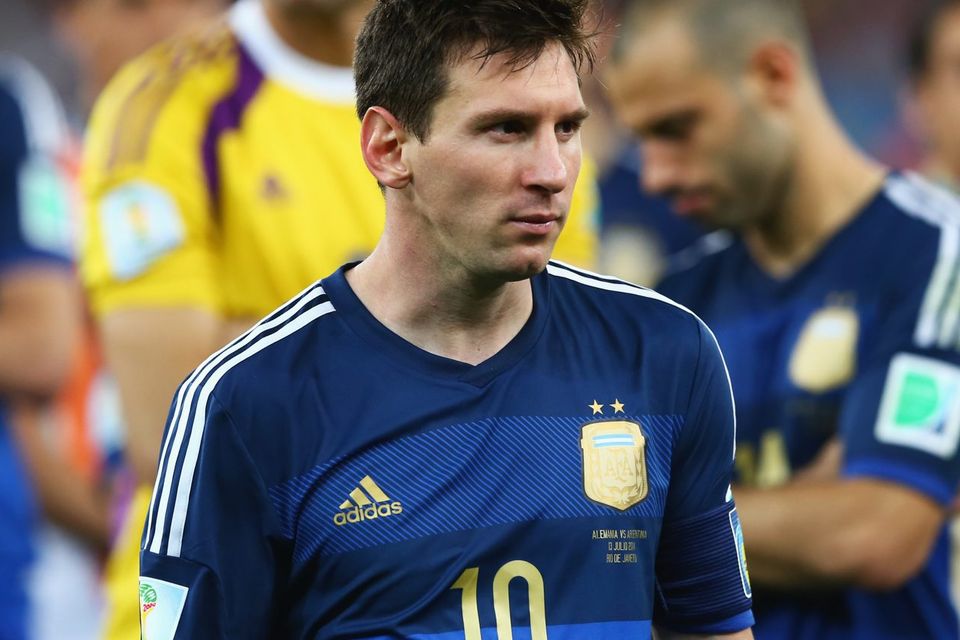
(921, 405)
(140, 224)
(161, 604)
(45, 199)
(741, 553)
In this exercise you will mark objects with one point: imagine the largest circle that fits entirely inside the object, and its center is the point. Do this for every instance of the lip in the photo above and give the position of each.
(692, 204)
(536, 223)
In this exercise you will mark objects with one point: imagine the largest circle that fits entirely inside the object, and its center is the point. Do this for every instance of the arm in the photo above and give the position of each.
(703, 587)
(150, 350)
(149, 258)
(862, 531)
(191, 559)
(68, 499)
(40, 309)
(39, 329)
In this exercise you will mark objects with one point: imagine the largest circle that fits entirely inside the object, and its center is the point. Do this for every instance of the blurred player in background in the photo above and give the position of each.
(39, 322)
(934, 61)
(104, 34)
(411, 448)
(836, 304)
(222, 176)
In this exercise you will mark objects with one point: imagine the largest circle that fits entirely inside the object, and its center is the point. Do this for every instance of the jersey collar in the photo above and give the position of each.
(410, 357)
(284, 65)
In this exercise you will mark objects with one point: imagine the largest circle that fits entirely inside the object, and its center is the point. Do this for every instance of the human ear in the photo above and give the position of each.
(775, 67)
(381, 142)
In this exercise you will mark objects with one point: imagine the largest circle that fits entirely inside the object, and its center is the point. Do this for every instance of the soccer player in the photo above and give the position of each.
(934, 61)
(454, 438)
(836, 303)
(39, 316)
(222, 176)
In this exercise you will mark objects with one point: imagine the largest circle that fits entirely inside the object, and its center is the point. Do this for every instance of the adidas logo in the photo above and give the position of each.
(366, 502)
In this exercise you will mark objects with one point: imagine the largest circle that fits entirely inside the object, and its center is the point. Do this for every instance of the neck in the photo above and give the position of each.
(324, 36)
(942, 171)
(830, 183)
(442, 310)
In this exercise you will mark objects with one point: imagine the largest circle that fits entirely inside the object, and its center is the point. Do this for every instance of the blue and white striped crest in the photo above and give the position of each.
(614, 463)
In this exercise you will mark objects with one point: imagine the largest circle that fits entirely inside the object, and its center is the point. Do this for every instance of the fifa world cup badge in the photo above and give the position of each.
(614, 463)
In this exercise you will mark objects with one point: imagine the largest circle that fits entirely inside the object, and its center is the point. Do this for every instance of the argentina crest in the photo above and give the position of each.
(614, 463)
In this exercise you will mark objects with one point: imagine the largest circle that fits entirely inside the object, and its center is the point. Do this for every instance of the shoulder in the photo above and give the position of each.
(254, 371)
(620, 303)
(919, 257)
(915, 234)
(32, 113)
(166, 93)
(920, 207)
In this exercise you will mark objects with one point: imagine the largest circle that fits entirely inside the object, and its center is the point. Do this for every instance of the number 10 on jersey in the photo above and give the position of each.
(468, 582)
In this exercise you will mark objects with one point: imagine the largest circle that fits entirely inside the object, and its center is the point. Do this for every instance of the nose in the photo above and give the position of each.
(660, 169)
(548, 169)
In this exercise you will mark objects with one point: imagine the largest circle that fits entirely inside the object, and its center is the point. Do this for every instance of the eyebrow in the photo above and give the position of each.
(670, 124)
(502, 115)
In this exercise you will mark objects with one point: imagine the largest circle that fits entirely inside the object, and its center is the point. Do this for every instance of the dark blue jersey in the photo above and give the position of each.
(322, 478)
(863, 343)
(31, 130)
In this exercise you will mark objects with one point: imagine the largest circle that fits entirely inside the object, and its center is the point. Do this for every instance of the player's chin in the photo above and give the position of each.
(528, 263)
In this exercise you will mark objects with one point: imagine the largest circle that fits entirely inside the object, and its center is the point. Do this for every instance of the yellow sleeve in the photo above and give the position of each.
(579, 239)
(149, 232)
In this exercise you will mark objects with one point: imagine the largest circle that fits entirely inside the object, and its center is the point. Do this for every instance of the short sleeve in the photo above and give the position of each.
(702, 580)
(209, 559)
(151, 232)
(35, 212)
(900, 420)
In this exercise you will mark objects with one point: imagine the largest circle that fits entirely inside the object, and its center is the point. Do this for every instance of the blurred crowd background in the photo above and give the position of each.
(862, 55)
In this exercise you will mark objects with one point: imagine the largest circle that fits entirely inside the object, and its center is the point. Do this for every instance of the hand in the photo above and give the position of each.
(826, 466)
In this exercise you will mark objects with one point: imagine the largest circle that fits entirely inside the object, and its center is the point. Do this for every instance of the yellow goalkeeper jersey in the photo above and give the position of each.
(223, 170)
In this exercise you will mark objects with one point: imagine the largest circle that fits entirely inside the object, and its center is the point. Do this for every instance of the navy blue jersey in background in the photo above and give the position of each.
(33, 228)
(323, 478)
(862, 343)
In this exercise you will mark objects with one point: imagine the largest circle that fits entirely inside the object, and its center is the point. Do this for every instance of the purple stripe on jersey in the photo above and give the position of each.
(225, 116)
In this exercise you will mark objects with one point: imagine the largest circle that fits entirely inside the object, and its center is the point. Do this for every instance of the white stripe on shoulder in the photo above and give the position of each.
(582, 276)
(43, 116)
(197, 389)
(940, 311)
(608, 283)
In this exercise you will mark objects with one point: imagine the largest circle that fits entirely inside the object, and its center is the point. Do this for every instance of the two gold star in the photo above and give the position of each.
(598, 408)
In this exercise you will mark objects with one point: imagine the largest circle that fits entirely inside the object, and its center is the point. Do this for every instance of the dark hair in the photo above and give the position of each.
(725, 31)
(921, 37)
(405, 46)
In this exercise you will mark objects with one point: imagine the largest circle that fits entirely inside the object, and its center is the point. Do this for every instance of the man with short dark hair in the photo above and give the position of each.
(456, 438)
(934, 62)
(836, 302)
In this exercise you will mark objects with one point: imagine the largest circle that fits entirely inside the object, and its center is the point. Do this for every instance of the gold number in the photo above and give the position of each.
(468, 581)
(468, 602)
(774, 467)
(771, 468)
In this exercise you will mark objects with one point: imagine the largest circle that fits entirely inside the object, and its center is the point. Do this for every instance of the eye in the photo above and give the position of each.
(508, 127)
(569, 127)
(675, 128)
